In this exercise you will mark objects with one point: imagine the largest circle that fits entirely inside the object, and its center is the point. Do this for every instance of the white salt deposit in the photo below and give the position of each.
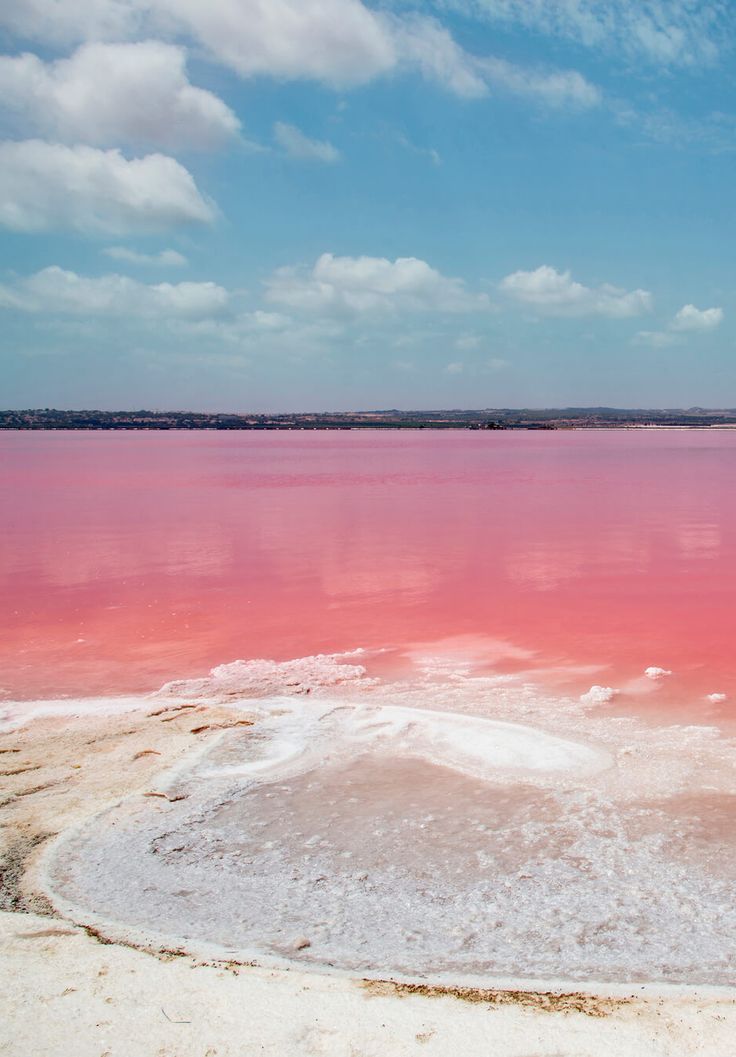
(14, 714)
(264, 678)
(599, 695)
(489, 828)
(656, 673)
(301, 736)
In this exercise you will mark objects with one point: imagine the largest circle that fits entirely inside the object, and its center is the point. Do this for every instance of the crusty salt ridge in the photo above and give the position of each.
(264, 678)
(294, 737)
(225, 684)
(116, 1000)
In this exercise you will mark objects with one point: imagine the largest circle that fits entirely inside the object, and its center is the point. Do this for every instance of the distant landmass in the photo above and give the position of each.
(488, 418)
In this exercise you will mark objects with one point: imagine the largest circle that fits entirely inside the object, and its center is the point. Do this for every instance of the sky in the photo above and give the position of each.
(278, 205)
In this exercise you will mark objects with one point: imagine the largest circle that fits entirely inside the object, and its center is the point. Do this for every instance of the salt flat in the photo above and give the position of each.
(332, 831)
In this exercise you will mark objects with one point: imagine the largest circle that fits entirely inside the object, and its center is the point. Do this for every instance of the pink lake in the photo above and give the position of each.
(130, 559)
(450, 727)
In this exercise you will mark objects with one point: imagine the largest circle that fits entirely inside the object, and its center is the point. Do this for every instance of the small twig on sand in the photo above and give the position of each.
(174, 1021)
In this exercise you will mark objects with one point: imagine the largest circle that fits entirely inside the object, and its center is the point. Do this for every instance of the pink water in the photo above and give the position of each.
(448, 780)
(131, 559)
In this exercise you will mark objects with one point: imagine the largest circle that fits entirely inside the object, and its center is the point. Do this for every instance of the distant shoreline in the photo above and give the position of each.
(487, 419)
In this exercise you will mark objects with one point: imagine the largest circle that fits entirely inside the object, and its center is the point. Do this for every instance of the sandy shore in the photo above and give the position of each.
(65, 990)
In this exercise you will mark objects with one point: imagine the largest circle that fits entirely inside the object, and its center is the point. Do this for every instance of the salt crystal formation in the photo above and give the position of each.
(385, 838)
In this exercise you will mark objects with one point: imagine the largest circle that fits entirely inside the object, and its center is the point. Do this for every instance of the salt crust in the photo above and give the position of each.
(124, 1001)
(592, 851)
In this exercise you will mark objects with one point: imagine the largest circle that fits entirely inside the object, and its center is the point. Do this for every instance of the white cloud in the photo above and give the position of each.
(163, 259)
(369, 284)
(424, 43)
(467, 341)
(297, 145)
(557, 293)
(46, 186)
(110, 94)
(679, 32)
(69, 21)
(261, 333)
(428, 152)
(558, 88)
(655, 339)
(341, 43)
(690, 318)
(454, 368)
(55, 290)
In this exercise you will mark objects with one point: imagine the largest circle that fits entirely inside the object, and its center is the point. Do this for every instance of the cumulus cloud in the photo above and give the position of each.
(690, 318)
(557, 293)
(369, 284)
(55, 290)
(342, 43)
(46, 186)
(110, 94)
(297, 145)
(69, 21)
(162, 259)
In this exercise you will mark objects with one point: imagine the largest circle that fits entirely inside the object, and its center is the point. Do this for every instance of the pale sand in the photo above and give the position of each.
(63, 992)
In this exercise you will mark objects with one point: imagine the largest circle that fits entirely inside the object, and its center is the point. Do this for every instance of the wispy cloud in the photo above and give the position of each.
(655, 339)
(162, 259)
(679, 32)
(297, 145)
(428, 152)
(554, 88)
(57, 290)
(714, 131)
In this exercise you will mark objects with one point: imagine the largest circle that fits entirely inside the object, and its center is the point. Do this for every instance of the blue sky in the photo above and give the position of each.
(312, 204)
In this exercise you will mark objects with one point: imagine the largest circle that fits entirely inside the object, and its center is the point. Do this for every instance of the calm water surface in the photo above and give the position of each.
(134, 558)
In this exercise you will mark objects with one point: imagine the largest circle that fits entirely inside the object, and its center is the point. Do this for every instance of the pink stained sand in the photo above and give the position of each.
(129, 559)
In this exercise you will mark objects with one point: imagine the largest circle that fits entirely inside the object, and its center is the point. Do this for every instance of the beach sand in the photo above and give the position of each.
(66, 988)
